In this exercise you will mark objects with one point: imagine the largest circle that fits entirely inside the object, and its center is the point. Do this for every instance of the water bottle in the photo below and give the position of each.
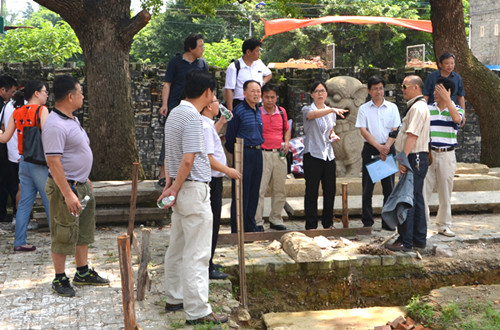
(225, 112)
(282, 150)
(83, 204)
(166, 201)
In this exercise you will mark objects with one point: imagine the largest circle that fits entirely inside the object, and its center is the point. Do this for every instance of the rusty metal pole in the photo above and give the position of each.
(345, 208)
(127, 279)
(133, 201)
(238, 164)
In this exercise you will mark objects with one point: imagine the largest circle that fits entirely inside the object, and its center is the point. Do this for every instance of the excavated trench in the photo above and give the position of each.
(357, 287)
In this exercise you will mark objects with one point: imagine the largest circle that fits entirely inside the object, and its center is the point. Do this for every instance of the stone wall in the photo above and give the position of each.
(485, 30)
(147, 83)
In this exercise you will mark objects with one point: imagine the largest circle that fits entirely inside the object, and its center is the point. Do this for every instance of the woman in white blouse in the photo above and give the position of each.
(319, 159)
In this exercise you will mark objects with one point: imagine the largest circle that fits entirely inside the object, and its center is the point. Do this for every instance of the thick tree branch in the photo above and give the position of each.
(130, 27)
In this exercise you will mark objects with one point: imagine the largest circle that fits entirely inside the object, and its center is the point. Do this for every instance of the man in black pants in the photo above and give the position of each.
(376, 119)
(8, 184)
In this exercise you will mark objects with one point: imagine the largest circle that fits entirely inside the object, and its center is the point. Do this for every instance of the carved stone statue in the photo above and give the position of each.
(347, 93)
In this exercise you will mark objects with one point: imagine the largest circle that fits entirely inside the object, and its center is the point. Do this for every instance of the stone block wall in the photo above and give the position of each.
(147, 83)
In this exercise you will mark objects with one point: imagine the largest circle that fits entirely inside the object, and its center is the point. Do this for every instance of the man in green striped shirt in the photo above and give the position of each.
(445, 117)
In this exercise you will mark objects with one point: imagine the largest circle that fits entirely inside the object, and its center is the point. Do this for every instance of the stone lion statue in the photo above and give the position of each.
(347, 93)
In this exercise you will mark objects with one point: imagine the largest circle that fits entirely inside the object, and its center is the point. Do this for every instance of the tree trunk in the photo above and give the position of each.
(482, 87)
(105, 31)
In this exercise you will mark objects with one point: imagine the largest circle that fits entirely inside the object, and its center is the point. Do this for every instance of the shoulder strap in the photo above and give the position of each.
(420, 98)
(237, 66)
(283, 120)
(37, 116)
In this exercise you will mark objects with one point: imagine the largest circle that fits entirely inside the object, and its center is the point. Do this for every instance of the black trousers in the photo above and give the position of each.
(387, 185)
(216, 204)
(9, 185)
(315, 171)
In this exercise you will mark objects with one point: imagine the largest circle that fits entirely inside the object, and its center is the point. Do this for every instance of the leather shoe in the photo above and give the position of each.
(218, 266)
(24, 248)
(260, 229)
(217, 275)
(397, 246)
(210, 318)
(173, 307)
(277, 227)
(419, 246)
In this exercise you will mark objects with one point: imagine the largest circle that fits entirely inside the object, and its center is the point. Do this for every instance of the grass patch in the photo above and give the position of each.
(469, 316)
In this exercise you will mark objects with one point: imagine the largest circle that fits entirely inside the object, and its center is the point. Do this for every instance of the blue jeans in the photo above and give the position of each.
(33, 178)
(414, 229)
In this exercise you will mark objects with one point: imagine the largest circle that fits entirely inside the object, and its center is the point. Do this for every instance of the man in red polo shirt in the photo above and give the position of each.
(276, 132)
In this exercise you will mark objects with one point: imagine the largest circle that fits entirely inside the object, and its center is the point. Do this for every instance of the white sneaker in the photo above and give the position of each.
(13, 224)
(446, 232)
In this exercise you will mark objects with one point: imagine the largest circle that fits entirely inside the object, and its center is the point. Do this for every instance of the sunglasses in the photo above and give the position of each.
(403, 86)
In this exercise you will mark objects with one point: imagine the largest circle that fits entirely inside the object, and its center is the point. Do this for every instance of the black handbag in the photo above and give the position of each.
(32, 143)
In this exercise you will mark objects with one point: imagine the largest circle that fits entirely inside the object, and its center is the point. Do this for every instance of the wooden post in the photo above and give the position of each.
(345, 208)
(133, 200)
(127, 283)
(238, 164)
(143, 279)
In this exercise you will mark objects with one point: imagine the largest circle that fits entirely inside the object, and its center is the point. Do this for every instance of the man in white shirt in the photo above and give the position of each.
(247, 67)
(376, 119)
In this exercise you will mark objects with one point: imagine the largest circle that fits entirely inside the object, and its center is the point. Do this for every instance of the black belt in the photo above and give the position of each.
(191, 180)
(271, 150)
(442, 149)
(71, 182)
(252, 147)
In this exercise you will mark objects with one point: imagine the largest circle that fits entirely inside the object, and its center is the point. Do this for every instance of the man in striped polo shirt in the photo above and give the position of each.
(187, 177)
(445, 118)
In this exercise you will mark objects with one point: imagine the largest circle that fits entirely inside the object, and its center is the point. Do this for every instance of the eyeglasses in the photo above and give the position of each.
(321, 91)
(403, 86)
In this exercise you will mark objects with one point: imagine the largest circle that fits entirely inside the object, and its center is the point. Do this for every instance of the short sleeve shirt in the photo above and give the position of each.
(430, 84)
(379, 121)
(256, 71)
(213, 144)
(273, 130)
(64, 136)
(317, 138)
(416, 122)
(176, 72)
(183, 135)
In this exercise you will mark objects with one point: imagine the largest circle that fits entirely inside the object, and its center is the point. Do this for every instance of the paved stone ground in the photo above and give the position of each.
(27, 301)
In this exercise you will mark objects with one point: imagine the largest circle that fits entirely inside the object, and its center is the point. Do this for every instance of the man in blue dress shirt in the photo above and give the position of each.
(247, 124)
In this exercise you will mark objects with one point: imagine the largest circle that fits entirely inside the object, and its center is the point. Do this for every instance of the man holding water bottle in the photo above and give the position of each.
(69, 157)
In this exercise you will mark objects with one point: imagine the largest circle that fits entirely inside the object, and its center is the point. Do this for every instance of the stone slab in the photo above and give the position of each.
(337, 319)
(473, 201)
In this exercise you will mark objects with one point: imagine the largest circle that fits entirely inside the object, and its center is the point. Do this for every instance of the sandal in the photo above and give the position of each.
(161, 182)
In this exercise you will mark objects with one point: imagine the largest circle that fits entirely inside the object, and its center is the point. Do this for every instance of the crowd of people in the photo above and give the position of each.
(194, 162)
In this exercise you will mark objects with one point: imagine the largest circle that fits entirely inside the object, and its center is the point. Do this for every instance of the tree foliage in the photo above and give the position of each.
(221, 53)
(51, 41)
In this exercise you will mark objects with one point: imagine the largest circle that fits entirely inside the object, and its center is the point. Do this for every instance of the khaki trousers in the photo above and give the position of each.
(274, 176)
(440, 176)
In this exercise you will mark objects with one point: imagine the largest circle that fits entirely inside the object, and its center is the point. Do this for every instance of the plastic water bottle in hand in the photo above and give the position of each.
(83, 204)
(225, 112)
(166, 201)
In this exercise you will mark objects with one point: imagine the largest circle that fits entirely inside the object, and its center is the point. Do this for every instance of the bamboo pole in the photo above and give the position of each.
(127, 280)
(143, 280)
(345, 208)
(238, 165)
(133, 201)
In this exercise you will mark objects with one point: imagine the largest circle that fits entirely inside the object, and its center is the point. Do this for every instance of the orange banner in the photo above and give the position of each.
(281, 25)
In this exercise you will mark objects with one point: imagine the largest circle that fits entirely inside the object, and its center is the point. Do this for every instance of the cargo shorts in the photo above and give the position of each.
(66, 230)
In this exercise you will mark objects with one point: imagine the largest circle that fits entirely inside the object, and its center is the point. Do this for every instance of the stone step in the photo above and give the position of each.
(116, 215)
(462, 201)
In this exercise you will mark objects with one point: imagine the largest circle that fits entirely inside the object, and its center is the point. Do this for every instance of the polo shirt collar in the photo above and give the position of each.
(61, 114)
(264, 111)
